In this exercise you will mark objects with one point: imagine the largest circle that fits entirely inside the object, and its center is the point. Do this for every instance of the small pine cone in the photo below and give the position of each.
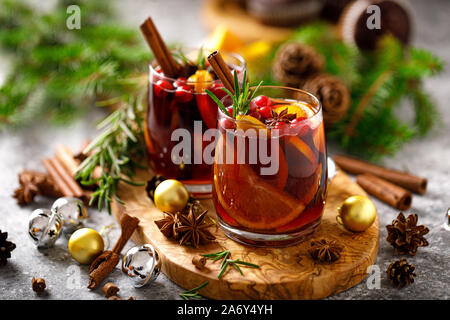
(332, 93)
(5, 248)
(400, 273)
(38, 285)
(294, 62)
(405, 235)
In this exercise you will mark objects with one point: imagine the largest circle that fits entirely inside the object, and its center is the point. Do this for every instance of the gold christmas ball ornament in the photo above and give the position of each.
(171, 196)
(85, 245)
(357, 213)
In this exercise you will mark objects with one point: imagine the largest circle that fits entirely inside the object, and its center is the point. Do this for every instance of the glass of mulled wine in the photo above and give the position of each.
(181, 103)
(270, 168)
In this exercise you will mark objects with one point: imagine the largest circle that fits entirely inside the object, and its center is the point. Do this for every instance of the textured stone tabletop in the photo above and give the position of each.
(429, 157)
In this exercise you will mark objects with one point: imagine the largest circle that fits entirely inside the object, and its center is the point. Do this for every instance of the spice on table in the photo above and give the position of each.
(38, 285)
(405, 235)
(192, 229)
(33, 183)
(199, 262)
(105, 263)
(400, 273)
(110, 289)
(408, 181)
(131, 298)
(169, 224)
(5, 248)
(325, 250)
(385, 191)
(115, 298)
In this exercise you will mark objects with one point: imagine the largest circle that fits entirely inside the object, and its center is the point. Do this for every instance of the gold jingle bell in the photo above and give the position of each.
(85, 245)
(357, 213)
(171, 196)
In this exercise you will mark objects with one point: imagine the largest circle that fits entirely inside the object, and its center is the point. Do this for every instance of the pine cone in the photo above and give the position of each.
(5, 248)
(294, 62)
(405, 235)
(332, 93)
(400, 273)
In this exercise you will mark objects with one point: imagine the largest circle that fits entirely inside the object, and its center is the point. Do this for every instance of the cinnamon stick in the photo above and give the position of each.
(403, 179)
(59, 181)
(105, 263)
(385, 191)
(159, 48)
(67, 159)
(222, 70)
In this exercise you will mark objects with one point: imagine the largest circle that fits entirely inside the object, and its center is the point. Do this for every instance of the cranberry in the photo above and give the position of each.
(226, 123)
(179, 82)
(161, 87)
(262, 101)
(253, 107)
(184, 93)
(230, 111)
(218, 92)
(265, 111)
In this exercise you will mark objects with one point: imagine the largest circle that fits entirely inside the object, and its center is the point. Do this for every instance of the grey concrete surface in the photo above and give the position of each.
(427, 157)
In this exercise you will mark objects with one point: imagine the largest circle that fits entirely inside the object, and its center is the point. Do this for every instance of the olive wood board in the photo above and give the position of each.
(284, 273)
(238, 21)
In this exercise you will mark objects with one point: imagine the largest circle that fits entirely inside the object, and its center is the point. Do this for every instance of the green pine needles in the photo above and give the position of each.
(379, 82)
(56, 73)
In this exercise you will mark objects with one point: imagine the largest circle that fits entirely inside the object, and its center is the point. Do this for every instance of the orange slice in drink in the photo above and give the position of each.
(201, 80)
(301, 146)
(245, 122)
(298, 108)
(248, 199)
(319, 138)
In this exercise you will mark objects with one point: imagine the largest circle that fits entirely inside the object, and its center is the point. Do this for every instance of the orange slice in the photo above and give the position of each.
(248, 199)
(319, 138)
(245, 122)
(201, 80)
(301, 146)
(298, 108)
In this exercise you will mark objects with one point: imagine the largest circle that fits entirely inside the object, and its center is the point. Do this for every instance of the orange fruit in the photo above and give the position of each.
(301, 146)
(298, 108)
(319, 138)
(201, 80)
(245, 122)
(248, 199)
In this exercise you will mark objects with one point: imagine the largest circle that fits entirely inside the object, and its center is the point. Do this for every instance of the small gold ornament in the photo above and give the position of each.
(357, 213)
(85, 245)
(171, 196)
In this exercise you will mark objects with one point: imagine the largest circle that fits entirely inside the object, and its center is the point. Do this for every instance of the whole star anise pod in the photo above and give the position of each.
(325, 251)
(283, 116)
(400, 273)
(405, 235)
(5, 248)
(169, 224)
(192, 229)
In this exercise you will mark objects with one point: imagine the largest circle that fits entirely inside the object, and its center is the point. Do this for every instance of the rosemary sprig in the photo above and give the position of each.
(201, 60)
(193, 293)
(223, 255)
(241, 97)
(116, 150)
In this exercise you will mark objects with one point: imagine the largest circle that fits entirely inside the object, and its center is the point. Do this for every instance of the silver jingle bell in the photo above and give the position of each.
(72, 211)
(142, 264)
(44, 227)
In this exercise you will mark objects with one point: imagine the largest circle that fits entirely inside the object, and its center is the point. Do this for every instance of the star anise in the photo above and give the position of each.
(405, 235)
(400, 273)
(283, 116)
(169, 224)
(192, 229)
(5, 248)
(325, 251)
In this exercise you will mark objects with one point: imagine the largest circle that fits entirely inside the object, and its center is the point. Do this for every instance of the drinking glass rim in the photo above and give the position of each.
(242, 66)
(316, 112)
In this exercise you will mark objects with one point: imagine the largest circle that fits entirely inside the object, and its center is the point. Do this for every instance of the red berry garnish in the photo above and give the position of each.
(262, 101)
(179, 82)
(184, 93)
(230, 111)
(226, 123)
(161, 87)
(265, 111)
(216, 89)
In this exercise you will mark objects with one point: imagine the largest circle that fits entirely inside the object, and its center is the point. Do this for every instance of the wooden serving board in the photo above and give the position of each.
(285, 273)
